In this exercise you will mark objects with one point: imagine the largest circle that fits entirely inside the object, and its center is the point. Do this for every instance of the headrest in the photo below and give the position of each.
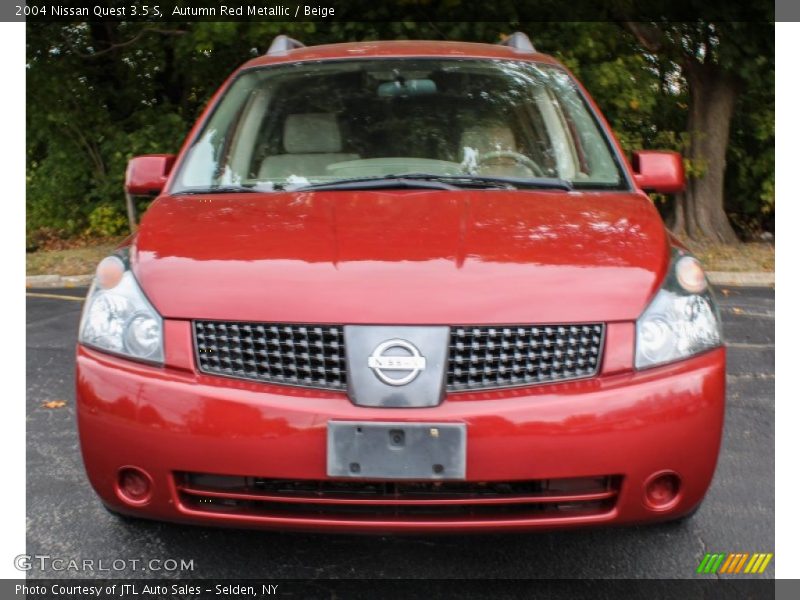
(488, 138)
(311, 133)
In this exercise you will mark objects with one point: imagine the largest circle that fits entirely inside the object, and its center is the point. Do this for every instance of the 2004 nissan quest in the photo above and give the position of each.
(401, 286)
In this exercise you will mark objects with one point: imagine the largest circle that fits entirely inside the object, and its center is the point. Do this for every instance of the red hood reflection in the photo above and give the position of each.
(402, 257)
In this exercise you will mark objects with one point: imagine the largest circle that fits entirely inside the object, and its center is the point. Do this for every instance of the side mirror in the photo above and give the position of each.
(660, 172)
(147, 174)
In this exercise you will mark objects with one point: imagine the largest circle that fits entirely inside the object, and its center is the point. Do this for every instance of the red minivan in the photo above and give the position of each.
(401, 286)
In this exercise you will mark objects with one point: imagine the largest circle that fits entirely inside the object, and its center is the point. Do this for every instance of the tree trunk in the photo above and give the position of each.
(712, 97)
(678, 222)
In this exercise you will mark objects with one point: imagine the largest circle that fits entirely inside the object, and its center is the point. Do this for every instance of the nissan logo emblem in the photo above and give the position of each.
(383, 365)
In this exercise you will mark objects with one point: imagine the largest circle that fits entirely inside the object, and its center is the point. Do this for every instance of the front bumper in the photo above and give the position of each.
(617, 429)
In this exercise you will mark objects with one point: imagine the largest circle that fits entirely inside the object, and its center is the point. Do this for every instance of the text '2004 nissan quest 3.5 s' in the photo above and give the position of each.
(401, 286)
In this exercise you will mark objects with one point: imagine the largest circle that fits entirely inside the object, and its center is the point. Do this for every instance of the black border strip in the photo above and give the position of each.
(707, 587)
(420, 11)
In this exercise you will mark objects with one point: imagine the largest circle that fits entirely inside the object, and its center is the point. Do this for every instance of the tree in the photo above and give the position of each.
(716, 60)
(98, 94)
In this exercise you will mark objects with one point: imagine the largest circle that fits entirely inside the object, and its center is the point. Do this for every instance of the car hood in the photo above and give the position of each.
(402, 257)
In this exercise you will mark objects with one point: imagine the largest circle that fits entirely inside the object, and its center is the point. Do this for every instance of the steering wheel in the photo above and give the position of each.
(521, 159)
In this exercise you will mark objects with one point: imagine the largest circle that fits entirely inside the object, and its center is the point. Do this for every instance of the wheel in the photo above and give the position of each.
(525, 161)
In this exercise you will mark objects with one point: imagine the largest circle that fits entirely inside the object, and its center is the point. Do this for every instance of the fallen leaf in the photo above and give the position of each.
(737, 311)
(726, 292)
(54, 404)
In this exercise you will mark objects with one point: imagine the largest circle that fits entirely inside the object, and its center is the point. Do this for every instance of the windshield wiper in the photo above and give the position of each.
(442, 182)
(374, 183)
(500, 182)
(223, 189)
(427, 181)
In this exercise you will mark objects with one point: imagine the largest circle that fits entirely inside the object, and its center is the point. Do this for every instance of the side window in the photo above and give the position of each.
(595, 157)
(246, 133)
(560, 143)
(205, 163)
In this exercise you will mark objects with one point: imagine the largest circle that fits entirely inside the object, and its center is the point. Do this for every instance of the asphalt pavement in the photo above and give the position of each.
(66, 520)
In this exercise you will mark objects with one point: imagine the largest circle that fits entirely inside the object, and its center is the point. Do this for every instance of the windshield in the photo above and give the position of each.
(290, 126)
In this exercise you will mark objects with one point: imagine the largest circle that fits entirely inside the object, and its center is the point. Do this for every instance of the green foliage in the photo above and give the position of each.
(751, 157)
(623, 81)
(98, 94)
(107, 221)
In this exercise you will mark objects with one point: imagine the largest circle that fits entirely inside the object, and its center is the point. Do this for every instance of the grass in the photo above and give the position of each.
(69, 261)
(82, 260)
(750, 256)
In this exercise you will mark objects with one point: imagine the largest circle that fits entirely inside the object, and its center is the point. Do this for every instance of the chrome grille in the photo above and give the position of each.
(305, 355)
(483, 358)
(480, 358)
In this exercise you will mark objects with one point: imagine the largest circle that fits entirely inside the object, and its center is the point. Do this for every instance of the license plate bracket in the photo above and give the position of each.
(397, 450)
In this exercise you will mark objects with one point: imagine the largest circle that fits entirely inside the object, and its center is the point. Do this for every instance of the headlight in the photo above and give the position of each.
(682, 320)
(118, 318)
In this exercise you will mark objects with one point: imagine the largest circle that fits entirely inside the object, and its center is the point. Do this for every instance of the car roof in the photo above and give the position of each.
(399, 49)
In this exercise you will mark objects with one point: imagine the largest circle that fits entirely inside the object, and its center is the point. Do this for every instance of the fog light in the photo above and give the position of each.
(135, 485)
(661, 491)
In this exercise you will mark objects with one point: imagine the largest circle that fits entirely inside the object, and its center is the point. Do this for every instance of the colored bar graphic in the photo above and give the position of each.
(757, 565)
(734, 563)
(703, 563)
(710, 563)
(741, 562)
(718, 562)
(727, 564)
(765, 563)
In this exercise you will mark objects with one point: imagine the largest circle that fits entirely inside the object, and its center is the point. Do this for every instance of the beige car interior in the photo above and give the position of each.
(312, 141)
(484, 139)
